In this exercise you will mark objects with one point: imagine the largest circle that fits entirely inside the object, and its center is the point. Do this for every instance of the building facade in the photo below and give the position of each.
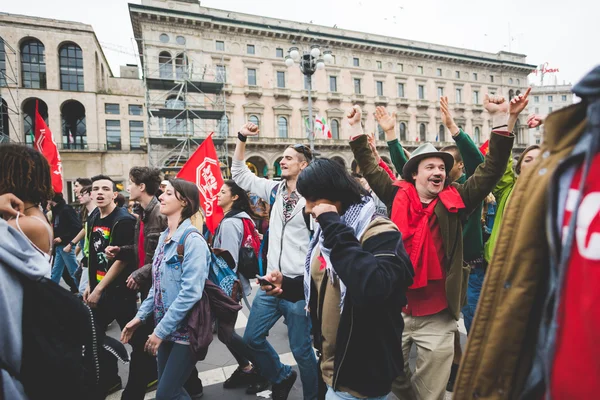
(545, 99)
(97, 120)
(246, 53)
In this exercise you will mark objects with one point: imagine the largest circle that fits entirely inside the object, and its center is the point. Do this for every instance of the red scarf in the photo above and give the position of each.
(413, 221)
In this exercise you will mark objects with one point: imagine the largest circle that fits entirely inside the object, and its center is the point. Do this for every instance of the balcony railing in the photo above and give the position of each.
(81, 147)
(253, 90)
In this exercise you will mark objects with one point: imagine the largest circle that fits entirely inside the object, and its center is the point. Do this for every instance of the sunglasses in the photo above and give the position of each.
(300, 148)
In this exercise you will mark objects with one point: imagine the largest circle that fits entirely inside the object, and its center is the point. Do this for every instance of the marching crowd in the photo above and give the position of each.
(361, 265)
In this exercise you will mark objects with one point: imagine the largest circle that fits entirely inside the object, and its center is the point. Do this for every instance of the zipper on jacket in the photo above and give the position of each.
(337, 373)
(281, 245)
(95, 358)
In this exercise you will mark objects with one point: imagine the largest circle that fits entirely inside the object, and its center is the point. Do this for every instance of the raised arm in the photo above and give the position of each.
(388, 124)
(240, 172)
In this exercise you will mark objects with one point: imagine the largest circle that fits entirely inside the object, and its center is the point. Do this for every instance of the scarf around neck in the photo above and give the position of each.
(358, 217)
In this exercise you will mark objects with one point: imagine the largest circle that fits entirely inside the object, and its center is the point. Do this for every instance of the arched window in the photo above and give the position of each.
(2, 63)
(4, 122)
(33, 64)
(518, 92)
(180, 66)
(510, 81)
(282, 127)
(74, 132)
(255, 120)
(511, 94)
(71, 67)
(380, 133)
(477, 135)
(165, 65)
(335, 129)
(441, 133)
(518, 82)
(402, 131)
(422, 133)
(28, 108)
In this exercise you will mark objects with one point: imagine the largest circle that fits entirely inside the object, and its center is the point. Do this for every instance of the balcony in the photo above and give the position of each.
(358, 98)
(460, 107)
(402, 102)
(478, 107)
(313, 94)
(227, 88)
(422, 103)
(381, 101)
(282, 93)
(253, 90)
(334, 96)
(81, 147)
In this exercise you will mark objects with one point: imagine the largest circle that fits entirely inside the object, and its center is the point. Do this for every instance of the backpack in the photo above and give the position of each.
(249, 251)
(61, 345)
(219, 272)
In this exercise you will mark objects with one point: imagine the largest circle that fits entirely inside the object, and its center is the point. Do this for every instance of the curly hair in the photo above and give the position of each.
(25, 172)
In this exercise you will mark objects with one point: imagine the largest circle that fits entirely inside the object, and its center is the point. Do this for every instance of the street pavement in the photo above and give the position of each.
(220, 364)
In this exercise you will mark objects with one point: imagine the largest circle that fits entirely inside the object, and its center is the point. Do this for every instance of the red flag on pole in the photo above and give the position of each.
(485, 147)
(44, 143)
(204, 170)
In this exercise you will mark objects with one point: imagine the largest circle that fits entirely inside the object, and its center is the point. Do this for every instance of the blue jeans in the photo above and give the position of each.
(333, 395)
(175, 363)
(266, 311)
(60, 260)
(473, 291)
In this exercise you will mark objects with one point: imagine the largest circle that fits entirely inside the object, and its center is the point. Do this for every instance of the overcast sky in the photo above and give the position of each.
(563, 33)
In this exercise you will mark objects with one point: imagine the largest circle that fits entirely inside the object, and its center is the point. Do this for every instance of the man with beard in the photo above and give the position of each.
(429, 210)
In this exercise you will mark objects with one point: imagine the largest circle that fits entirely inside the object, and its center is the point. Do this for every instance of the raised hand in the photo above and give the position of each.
(534, 120)
(495, 104)
(386, 120)
(447, 116)
(354, 115)
(249, 129)
(518, 103)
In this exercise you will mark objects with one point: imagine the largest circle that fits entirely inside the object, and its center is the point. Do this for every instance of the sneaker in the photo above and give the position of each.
(152, 386)
(259, 386)
(196, 396)
(282, 389)
(240, 378)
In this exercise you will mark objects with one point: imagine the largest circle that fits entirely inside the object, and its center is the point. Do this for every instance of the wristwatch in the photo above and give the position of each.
(72, 244)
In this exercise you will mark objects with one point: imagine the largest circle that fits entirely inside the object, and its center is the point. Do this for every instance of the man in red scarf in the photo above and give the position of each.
(430, 211)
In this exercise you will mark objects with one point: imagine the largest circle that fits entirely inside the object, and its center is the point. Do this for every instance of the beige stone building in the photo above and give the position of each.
(546, 99)
(247, 52)
(97, 120)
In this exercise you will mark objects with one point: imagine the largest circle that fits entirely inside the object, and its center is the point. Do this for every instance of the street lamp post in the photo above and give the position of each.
(309, 62)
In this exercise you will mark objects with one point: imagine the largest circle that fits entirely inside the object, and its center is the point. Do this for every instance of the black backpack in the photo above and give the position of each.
(60, 344)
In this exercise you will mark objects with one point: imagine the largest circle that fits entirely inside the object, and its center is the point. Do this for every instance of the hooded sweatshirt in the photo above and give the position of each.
(17, 256)
(229, 236)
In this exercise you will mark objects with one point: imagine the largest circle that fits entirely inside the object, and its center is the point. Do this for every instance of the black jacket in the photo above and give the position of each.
(368, 353)
(65, 222)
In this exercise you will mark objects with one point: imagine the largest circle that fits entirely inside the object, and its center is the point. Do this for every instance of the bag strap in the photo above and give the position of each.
(181, 243)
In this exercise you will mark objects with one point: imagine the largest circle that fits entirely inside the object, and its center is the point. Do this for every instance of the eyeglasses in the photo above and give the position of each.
(300, 148)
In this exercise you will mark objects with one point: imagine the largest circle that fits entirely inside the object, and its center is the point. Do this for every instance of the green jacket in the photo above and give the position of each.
(472, 192)
(472, 157)
(502, 193)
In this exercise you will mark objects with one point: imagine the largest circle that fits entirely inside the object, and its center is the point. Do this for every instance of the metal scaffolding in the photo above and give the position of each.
(184, 102)
(9, 92)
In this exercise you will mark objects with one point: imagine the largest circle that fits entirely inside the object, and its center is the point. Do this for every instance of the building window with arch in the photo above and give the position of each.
(510, 81)
(2, 63)
(422, 133)
(74, 131)
(402, 131)
(255, 120)
(4, 122)
(335, 129)
(477, 135)
(33, 64)
(28, 108)
(165, 65)
(380, 133)
(71, 67)
(180, 66)
(282, 127)
(511, 94)
(441, 133)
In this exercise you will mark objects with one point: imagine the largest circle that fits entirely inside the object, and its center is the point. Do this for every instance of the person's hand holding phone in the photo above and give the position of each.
(271, 283)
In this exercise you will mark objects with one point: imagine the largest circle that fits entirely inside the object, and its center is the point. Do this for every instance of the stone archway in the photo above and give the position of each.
(258, 166)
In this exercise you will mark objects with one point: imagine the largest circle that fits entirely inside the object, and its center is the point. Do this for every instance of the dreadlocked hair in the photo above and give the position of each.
(25, 173)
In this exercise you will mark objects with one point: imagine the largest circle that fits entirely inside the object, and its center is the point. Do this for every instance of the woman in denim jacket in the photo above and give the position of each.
(176, 287)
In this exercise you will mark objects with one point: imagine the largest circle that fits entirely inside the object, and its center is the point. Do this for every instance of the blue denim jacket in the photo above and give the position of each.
(182, 285)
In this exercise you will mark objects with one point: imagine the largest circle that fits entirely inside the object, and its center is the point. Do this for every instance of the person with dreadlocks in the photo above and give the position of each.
(25, 173)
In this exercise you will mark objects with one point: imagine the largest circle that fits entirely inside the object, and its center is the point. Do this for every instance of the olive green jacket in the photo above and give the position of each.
(472, 192)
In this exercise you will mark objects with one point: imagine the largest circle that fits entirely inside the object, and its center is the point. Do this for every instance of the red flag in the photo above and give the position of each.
(44, 143)
(204, 170)
(485, 147)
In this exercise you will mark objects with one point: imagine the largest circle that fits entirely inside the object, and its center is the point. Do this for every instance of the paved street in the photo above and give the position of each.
(220, 364)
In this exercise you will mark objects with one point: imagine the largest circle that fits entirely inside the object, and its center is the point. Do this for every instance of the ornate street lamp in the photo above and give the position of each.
(309, 61)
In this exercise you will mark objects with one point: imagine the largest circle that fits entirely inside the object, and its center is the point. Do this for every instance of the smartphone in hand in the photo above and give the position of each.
(264, 282)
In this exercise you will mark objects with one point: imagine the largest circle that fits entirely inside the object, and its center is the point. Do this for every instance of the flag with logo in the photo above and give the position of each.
(44, 143)
(485, 148)
(203, 169)
(322, 126)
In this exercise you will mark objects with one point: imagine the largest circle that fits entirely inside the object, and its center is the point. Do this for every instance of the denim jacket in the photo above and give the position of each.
(182, 283)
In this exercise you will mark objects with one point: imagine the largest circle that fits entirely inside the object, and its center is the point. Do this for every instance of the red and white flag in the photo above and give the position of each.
(44, 143)
(485, 147)
(203, 169)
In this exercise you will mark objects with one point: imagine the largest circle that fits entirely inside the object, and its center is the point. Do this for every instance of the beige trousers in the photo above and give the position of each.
(434, 337)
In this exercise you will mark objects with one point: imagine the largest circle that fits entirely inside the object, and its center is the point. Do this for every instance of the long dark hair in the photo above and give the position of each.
(328, 179)
(188, 192)
(243, 201)
(522, 157)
